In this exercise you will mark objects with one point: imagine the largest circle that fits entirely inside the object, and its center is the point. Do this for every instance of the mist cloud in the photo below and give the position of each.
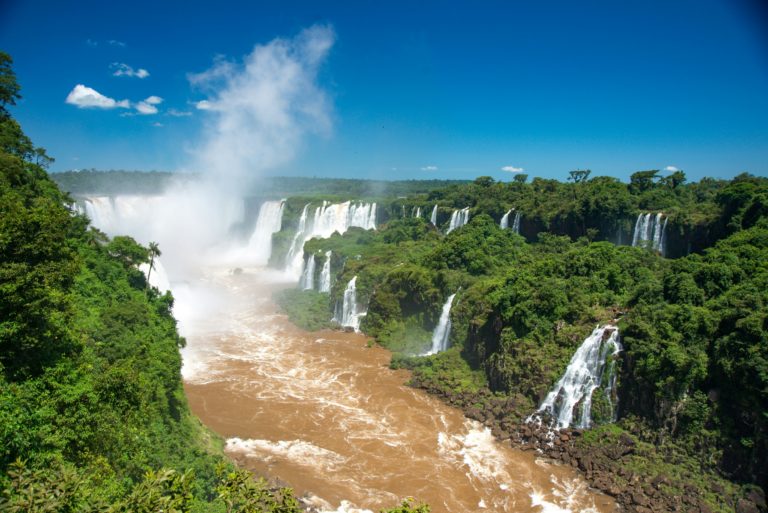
(261, 108)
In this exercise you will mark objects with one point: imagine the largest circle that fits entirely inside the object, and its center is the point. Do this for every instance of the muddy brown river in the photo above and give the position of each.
(323, 413)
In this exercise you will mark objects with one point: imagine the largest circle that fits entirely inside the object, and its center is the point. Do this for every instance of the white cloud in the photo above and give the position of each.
(147, 105)
(512, 169)
(203, 105)
(124, 70)
(84, 97)
(671, 169)
(429, 168)
(115, 42)
(145, 108)
(178, 113)
(157, 124)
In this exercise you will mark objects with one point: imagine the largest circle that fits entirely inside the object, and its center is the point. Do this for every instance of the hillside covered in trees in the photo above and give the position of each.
(93, 416)
(691, 430)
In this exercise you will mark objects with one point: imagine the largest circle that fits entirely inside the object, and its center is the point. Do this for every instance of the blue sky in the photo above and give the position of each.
(414, 89)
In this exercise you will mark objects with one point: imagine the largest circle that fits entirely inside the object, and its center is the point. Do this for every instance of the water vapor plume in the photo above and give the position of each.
(261, 108)
(258, 111)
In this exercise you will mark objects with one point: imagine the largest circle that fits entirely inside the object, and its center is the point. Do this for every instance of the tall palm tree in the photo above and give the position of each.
(154, 251)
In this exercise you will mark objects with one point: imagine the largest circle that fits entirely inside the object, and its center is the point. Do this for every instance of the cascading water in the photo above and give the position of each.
(433, 216)
(650, 232)
(328, 219)
(350, 314)
(504, 223)
(270, 221)
(418, 212)
(298, 239)
(516, 223)
(307, 281)
(591, 365)
(442, 332)
(458, 219)
(325, 274)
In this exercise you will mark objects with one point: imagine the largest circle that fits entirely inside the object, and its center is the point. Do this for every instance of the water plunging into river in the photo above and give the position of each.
(324, 413)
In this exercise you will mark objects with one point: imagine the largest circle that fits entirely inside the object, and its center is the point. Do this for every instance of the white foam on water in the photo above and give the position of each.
(299, 452)
(564, 497)
(322, 506)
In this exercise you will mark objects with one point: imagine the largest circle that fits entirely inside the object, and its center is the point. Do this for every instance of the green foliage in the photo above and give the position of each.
(307, 309)
(408, 506)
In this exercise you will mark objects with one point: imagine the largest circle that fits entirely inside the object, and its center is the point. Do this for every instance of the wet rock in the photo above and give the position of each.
(757, 496)
(746, 506)
(640, 499)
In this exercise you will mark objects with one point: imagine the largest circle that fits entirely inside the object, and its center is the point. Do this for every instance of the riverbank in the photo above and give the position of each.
(626, 461)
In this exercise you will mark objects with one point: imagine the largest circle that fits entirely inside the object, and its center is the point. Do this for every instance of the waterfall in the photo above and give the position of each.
(663, 239)
(585, 373)
(158, 278)
(418, 212)
(442, 332)
(307, 281)
(270, 221)
(516, 223)
(433, 216)
(325, 274)
(504, 223)
(328, 219)
(458, 219)
(350, 314)
(298, 239)
(650, 232)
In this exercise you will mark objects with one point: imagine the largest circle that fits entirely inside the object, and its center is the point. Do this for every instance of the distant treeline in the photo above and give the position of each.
(112, 182)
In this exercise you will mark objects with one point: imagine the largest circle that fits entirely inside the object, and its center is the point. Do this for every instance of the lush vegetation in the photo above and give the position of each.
(694, 372)
(93, 416)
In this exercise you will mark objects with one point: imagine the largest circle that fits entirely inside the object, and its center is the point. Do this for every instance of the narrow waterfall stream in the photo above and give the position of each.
(324, 413)
(442, 332)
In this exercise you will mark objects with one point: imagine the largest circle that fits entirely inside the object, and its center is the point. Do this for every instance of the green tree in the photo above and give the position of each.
(642, 181)
(154, 252)
(579, 175)
(9, 87)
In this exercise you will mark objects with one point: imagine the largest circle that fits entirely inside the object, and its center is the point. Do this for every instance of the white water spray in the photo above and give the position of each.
(327, 220)
(650, 232)
(433, 216)
(325, 274)
(307, 281)
(593, 362)
(458, 219)
(268, 223)
(441, 334)
(504, 223)
(350, 314)
(516, 223)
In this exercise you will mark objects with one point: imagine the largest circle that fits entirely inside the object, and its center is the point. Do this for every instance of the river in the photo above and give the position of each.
(323, 413)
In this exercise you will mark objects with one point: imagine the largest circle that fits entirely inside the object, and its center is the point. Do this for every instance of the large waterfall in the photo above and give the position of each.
(591, 367)
(307, 281)
(504, 223)
(325, 274)
(433, 216)
(269, 222)
(441, 334)
(458, 218)
(328, 218)
(651, 232)
(350, 313)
